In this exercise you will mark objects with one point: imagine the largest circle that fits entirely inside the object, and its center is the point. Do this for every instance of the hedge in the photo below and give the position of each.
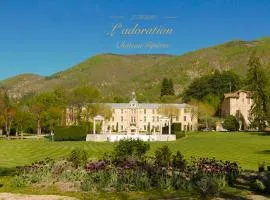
(175, 128)
(70, 133)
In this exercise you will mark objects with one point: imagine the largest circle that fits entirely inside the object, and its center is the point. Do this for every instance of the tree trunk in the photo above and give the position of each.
(9, 127)
(38, 127)
(21, 134)
(6, 126)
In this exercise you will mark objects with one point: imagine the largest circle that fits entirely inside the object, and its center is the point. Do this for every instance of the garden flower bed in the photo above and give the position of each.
(128, 169)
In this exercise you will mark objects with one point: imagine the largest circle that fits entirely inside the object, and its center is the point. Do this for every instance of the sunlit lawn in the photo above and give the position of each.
(248, 149)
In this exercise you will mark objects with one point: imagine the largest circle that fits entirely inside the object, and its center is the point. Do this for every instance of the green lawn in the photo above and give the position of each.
(248, 149)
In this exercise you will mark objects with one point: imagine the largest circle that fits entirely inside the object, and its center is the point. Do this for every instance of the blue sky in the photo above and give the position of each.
(47, 36)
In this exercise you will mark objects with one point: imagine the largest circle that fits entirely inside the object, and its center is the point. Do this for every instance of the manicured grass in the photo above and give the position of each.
(248, 149)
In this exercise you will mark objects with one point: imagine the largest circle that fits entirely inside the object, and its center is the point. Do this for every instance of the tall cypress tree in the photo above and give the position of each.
(256, 83)
(171, 87)
(164, 87)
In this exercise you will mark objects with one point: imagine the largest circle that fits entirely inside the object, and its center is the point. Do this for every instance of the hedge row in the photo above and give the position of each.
(175, 128)
(70, 133)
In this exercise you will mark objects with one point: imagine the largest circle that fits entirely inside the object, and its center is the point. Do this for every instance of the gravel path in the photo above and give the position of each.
(11, 196)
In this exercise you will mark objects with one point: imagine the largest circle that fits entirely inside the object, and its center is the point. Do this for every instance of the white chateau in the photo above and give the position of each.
(143, 120)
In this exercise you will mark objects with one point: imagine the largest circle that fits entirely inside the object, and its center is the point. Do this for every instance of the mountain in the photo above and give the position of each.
(118, 75)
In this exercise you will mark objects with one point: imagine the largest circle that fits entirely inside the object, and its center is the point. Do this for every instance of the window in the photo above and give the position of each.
(177, 118)
(112, 127)
(122, 111)
(185, 118)
(122, 118)
(153, 118)
(144, 119)
(153, 111)
(113, 119)
(185, 127)
(157, 118)
(144, 127)
(248, 100)
(144, 111)
(122, 127)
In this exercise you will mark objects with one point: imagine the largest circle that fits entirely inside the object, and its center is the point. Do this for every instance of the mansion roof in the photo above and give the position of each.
(144, 105)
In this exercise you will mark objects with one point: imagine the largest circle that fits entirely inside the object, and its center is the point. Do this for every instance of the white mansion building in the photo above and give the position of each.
(143, 120)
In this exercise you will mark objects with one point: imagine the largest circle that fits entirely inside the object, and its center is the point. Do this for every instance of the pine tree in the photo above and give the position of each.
(171, 87)
(164, 87)
(256, 83)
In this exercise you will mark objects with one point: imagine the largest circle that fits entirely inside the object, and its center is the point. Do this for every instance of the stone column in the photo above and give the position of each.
(94, 128)
(169, 127)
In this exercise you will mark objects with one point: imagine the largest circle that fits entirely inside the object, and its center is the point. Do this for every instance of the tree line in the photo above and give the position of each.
(41, 112)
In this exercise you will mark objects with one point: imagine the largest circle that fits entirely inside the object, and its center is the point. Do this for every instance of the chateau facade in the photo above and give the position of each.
(145, 118)
(238, 104)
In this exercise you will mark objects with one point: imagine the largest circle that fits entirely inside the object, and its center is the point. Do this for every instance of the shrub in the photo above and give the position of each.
(231, 123)
(178, 161)
(130, 149)
(208, 187)
(163, 156)
(258, 186)
(78, 157)
(176, 128)
(20, 181)
(180, 135)
(70, 133)
(261, 166)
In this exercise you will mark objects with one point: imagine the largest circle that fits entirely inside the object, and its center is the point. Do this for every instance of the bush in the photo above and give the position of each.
(231, 123)
(208, 187)
(178, 161)
(258, 186)
(180, 135)
(20, 181)
(70, 133)
(130, 149)
(176, 128)
(163, 156)
(78, 157)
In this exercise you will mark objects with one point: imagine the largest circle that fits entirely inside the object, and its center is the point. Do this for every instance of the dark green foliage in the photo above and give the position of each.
(163, 156)
(167, 87)
(70, 133)
(164, 87)
(78, 157)
(178, 161)
(148, 127)
(211, 88)
(258, 186)
(217, 84)
(171, 87)
(116, 129)
(130, 149)
(176, 128)
(257, 82)
(180, 135)
(230, 123)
